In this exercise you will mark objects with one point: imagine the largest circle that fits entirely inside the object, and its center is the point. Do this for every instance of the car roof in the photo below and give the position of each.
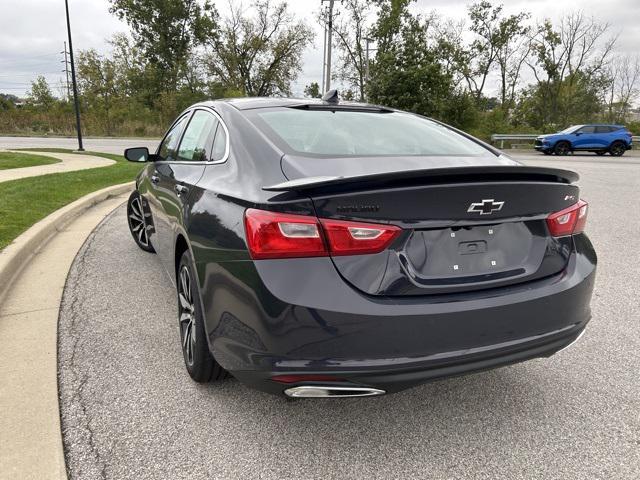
(249, 103)
(601, 125)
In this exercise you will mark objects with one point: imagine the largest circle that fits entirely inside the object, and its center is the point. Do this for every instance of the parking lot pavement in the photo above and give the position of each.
(129, 410)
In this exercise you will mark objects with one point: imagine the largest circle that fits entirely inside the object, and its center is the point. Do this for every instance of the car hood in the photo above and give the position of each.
(296, 167)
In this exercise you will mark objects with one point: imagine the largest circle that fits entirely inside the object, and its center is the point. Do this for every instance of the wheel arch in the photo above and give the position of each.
(181, 246)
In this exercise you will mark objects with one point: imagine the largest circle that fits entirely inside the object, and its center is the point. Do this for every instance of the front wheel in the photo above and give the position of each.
(137, 222)
(562, 148)
(617, 148)
(199, 362)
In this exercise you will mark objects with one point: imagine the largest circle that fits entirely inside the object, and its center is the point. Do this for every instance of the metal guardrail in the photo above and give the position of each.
(501, 137)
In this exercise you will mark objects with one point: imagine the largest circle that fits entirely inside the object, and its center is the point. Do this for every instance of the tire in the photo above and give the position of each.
(198, 360)
(600, 152)
(617, 148)
(562, 148)
(137, 222)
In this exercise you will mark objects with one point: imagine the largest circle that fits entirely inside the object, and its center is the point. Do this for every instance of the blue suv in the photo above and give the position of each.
(600, 139)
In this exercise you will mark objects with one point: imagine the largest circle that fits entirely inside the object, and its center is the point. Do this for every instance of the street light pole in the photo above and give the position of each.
(73, 79)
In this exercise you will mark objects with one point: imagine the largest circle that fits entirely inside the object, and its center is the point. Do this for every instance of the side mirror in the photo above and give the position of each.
(578, 133)
(137, 154)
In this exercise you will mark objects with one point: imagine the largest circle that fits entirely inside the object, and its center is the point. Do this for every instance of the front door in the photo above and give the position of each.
(179, 176)
(585, 138)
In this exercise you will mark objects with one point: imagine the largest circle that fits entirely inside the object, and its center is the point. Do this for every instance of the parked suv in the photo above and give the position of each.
(600, 139)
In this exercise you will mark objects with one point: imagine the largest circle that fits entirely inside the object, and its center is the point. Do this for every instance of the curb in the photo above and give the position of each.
(19, 252)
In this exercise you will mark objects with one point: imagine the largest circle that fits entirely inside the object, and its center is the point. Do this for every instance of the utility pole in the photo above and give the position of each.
(73, 79)
(329, 31)
(66, 70)
(366, 64)
(324, 58)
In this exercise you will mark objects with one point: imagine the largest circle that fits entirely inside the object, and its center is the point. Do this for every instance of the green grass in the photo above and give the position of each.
(20, 160)
(25, 201)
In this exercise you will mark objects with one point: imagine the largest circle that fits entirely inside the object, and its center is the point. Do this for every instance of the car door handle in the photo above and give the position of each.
(155, 178)
(180, 189)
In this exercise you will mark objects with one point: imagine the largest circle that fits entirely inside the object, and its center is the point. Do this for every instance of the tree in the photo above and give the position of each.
(569, 64)
(166, 33)
(312, 90)
(499, 42)
(258, 53)
(406, 72)
(97, 82)
(624, 87)
(40, 95)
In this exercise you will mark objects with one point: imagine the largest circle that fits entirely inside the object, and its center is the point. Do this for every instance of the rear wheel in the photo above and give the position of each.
(562, 148)
(137, 222)
(199, 362)
(617, 148)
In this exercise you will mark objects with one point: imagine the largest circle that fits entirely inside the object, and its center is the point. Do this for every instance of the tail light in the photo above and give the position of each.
(569, 221)
(279, 235)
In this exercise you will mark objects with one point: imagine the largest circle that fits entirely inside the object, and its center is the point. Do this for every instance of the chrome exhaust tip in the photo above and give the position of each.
(573, 342)
(318, 391)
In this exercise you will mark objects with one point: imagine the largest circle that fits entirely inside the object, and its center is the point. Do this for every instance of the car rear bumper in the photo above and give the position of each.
(289, 321)
(391, 378)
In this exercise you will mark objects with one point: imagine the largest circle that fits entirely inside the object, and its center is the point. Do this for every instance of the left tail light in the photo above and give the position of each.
(279, 235)
(569, 221)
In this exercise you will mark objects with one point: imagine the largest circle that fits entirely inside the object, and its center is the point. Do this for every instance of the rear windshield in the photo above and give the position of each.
(358, 133)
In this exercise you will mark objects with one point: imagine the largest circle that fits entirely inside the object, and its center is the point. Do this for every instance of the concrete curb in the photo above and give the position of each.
(18, 253)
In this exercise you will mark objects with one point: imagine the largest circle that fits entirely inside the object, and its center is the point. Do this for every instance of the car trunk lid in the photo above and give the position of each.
(465, 226)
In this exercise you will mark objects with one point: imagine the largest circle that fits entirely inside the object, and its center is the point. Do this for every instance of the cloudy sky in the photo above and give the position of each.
(32, 32)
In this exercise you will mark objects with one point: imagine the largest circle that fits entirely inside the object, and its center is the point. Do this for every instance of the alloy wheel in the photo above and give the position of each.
(562, 148)
(187, 314)
(137, 223)
(617, 149)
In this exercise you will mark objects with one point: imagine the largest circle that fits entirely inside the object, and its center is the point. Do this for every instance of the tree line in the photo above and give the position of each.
(489, 72)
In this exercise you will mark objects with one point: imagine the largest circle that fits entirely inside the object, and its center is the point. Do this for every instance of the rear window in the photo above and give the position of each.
(358, 133)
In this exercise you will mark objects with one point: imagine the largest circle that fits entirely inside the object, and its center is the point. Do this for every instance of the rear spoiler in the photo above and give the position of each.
(479, 173)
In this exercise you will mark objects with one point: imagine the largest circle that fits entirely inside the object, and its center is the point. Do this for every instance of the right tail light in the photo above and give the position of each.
(569, 221)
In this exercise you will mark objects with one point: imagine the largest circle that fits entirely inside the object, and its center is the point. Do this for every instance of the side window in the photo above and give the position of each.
(588, 129)
(219, 144)
(169, 145)
(197, 140)
(603, 129)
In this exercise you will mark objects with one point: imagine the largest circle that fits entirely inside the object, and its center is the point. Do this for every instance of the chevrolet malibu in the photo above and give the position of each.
(328, 249)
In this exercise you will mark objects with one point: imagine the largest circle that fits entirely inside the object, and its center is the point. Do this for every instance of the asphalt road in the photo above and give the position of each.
(106, 145)
(129, 410)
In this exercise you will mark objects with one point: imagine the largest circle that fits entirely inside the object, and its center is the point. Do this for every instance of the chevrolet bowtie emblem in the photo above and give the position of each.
(485, 207)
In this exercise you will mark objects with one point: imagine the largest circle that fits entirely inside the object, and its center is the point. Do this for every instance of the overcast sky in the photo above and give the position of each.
(32, 32)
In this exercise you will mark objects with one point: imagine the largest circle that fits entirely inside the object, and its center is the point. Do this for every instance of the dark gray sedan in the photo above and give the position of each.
(326, 249)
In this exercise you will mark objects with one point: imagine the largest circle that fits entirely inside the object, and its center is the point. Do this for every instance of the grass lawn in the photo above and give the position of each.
(25, 201)
(19, 160)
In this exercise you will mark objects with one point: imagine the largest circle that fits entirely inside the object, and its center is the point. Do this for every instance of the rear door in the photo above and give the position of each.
(180, 174)
(157, 191)
(604, 136)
